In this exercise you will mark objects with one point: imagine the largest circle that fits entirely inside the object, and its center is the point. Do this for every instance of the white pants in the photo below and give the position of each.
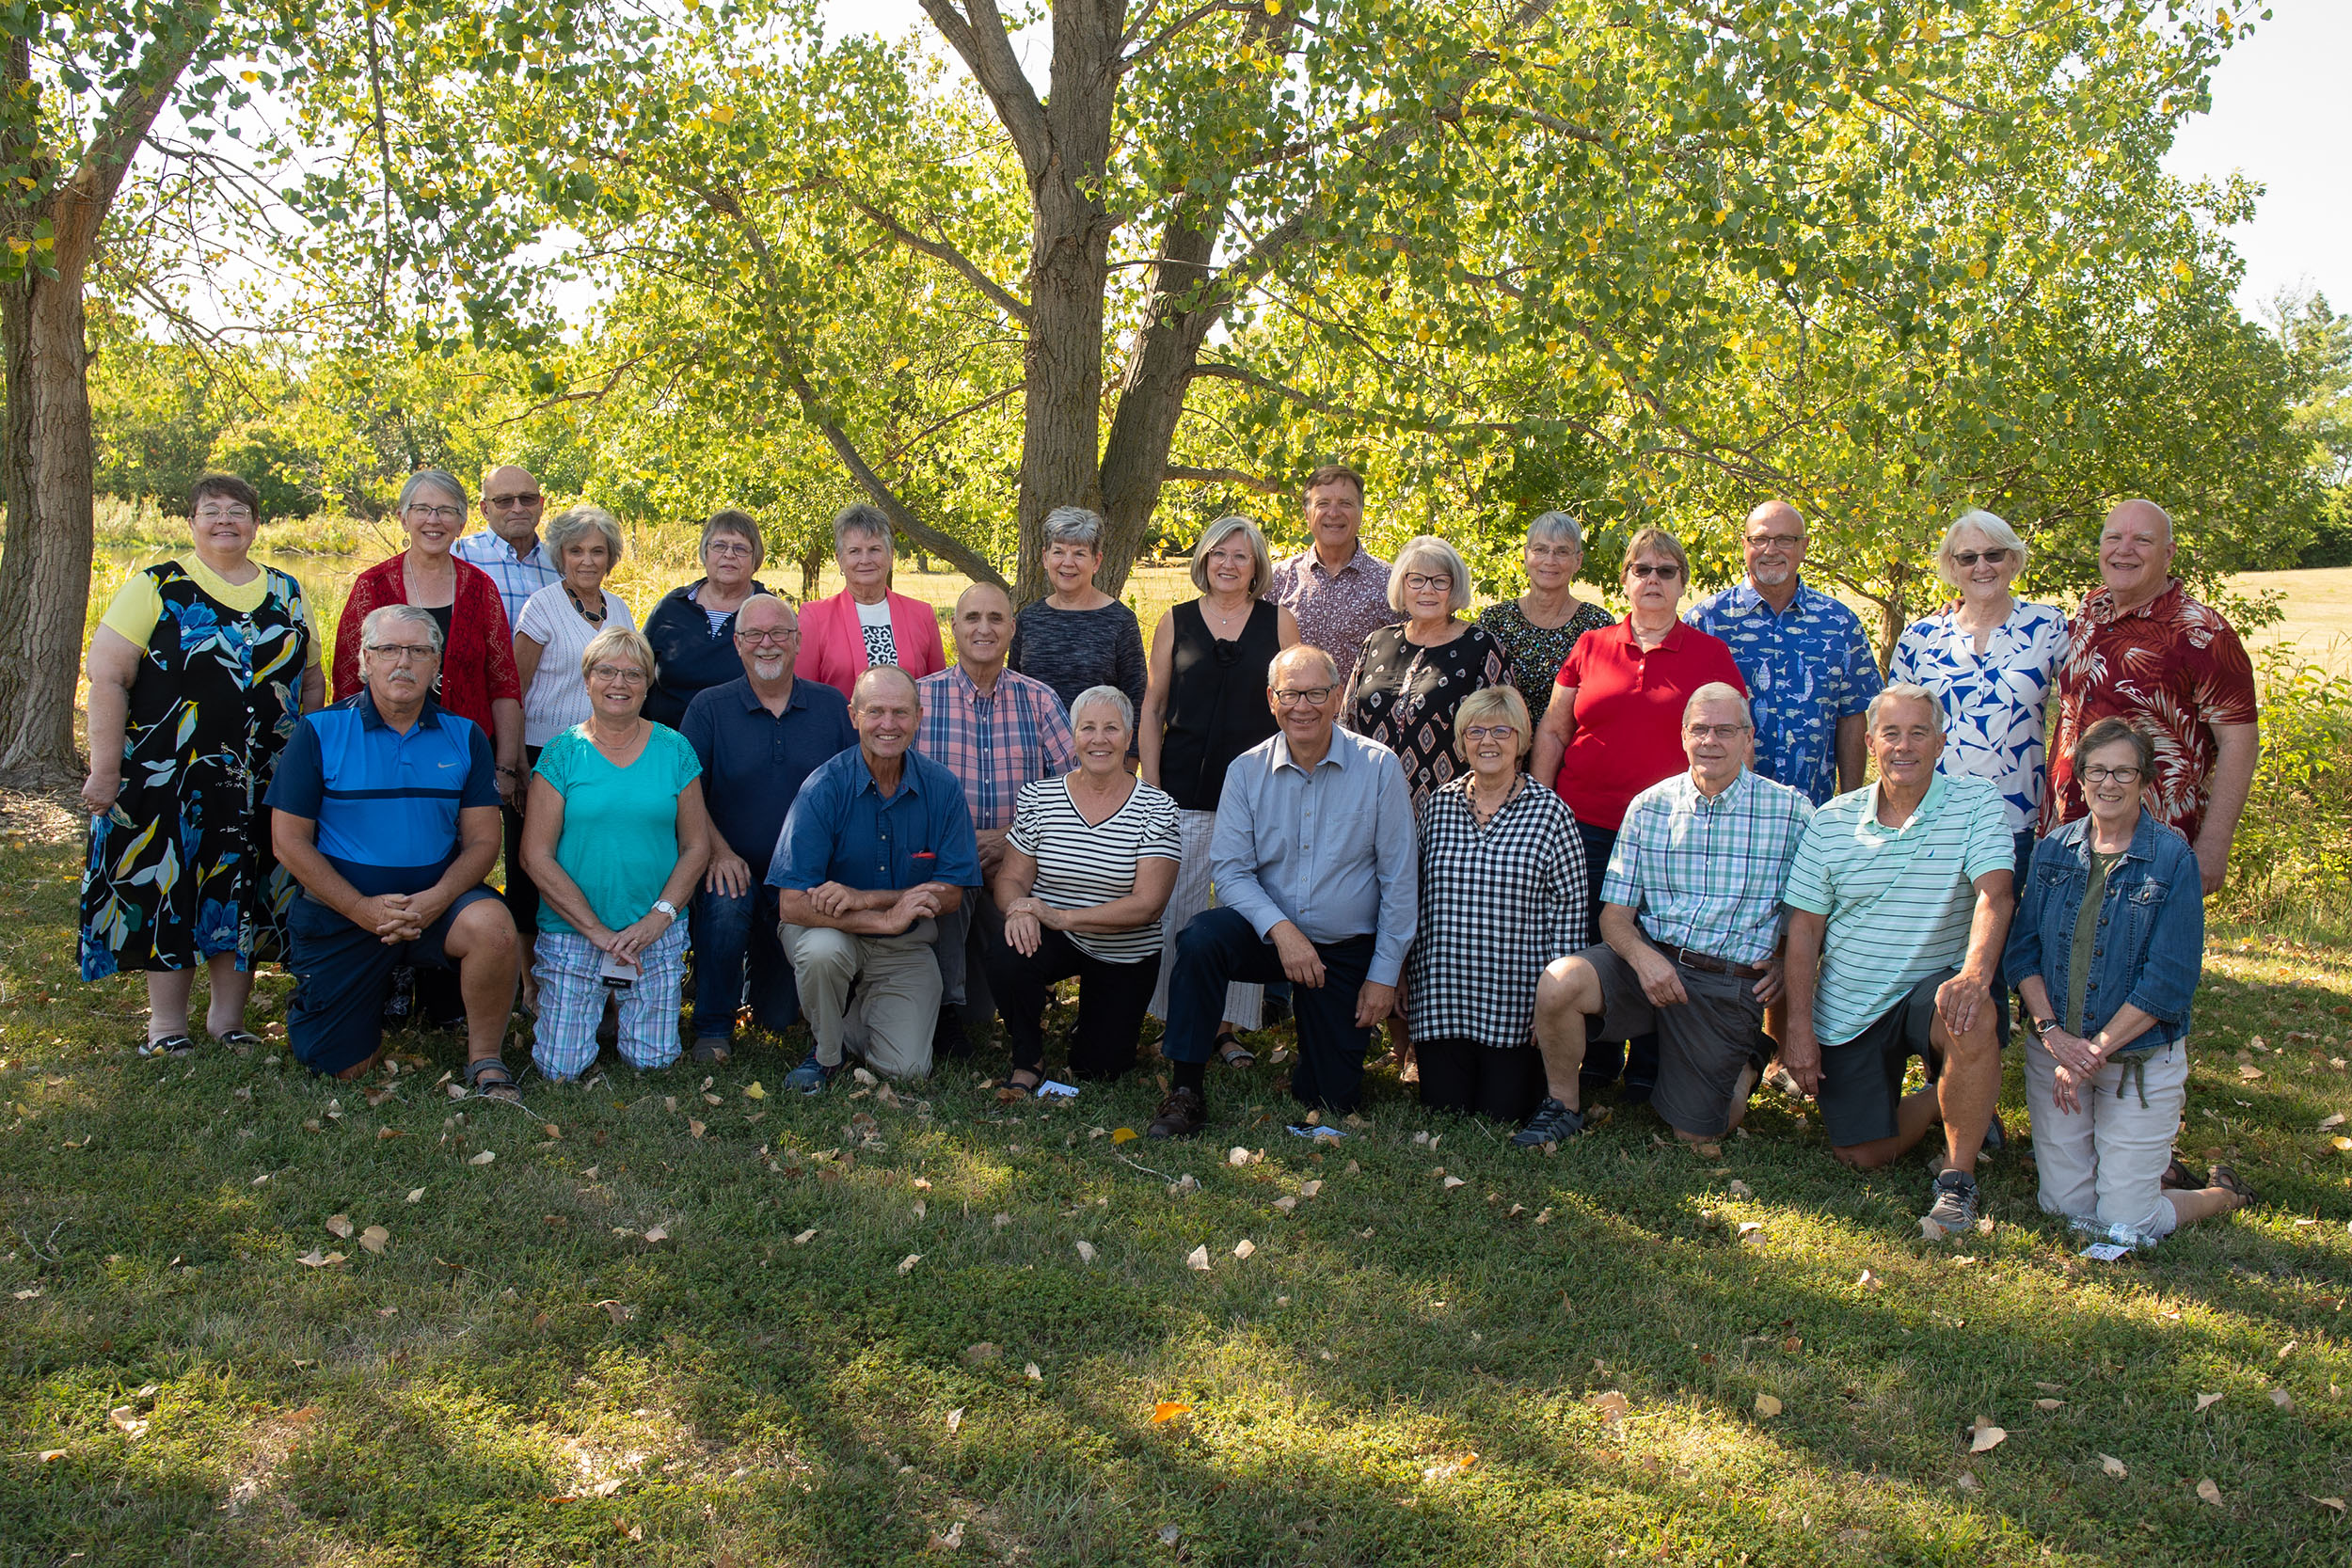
(2105, 1163)
(1191, 895)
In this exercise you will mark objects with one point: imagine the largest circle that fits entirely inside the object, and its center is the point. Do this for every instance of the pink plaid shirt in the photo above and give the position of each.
(996, 743)
(1336, 610)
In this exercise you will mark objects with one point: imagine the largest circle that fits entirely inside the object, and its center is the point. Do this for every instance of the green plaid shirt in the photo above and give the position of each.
(1706, 874)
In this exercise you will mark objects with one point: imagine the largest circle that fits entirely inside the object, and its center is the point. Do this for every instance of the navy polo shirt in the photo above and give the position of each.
(386, 801)
(754, 762)
(841, 830)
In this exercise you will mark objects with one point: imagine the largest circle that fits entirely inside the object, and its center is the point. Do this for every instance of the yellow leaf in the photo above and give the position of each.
(1766, 1406)
(2113, 1465)
(375, 1239)
(1167, 1410)
(2209, 1492)
(753, 1090)
(900, 363)
(340, 1226)
(1125, 1134)
(724, 113)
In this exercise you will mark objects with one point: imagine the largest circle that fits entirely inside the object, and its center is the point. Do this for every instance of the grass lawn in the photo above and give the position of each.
(940, 1329)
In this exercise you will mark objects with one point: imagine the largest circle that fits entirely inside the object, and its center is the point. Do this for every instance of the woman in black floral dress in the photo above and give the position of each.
(1410, 678)
(1543, 624)
(198, 672)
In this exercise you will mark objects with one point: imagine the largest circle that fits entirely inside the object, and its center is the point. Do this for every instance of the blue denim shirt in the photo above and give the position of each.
(2150, 945)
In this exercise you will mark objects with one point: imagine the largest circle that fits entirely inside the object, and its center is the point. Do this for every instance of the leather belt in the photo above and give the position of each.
(1709, 963)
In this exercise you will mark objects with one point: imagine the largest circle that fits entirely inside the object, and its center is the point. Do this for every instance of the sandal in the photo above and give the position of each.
(2178, 1176)
(503, 1089)
(170, 1045)
(2229, 1180)
(1232, 1052)
(240, 1039)
(712, 1053)
(1014, 1080)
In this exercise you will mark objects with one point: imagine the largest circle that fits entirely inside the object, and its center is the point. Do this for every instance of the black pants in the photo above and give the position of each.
(1221, 945)
(1111, 1002)
(1603, 1059)
(1463, 1075)
(522, 894)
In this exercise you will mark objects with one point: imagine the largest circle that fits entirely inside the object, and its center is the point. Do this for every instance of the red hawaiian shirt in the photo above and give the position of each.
(2175, 667)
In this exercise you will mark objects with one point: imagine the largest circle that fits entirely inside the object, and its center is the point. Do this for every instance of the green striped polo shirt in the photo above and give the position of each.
(1898, 900)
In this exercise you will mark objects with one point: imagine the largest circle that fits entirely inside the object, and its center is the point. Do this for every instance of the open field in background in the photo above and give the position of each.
(868, 1327)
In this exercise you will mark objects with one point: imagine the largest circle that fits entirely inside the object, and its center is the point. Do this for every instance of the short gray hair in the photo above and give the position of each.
(1216, 534)
(742, 525)
(2001, 535)
(1423, 547)
(439, 479)
(407, 615)
(1097, 696)
(1904, 691)
(1071, 525)
(860, 517)
(578, 522)
(1331, 664)
(1556, 527)
(1719, 691)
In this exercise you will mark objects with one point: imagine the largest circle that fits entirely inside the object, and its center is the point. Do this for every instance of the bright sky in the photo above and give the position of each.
(2276, 116)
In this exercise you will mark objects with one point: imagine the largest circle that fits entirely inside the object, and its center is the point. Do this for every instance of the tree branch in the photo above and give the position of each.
(978, 35)
(1186, 474)
(1166, 35)
(79, 205)
(993, 291)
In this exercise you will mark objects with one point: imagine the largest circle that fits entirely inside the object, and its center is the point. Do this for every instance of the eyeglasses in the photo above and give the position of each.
(1714, 731)
(1774, 541)
(610, 672)
(1654, 569)
(406, 653)
(226, 514)
(1964, 559)
(1416, 582)
(1556, 552)
(1489, 732)
(2101, 773)
(434, 514)
(520, 498)
(1314, 696)
(727, 547)
(788, 634)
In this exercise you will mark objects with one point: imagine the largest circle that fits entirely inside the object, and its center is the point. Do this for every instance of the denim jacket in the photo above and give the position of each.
(2150, 947)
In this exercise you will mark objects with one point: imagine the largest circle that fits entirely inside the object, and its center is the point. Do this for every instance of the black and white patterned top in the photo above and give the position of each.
(1404, 696)
(1081, 865)
(1538, 652)
(882, 643)
(1498, 903)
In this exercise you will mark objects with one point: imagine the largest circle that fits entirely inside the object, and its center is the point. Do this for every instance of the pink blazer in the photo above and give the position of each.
(833, 644)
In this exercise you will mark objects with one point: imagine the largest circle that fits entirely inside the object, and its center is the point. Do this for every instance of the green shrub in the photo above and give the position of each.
(2290, 864)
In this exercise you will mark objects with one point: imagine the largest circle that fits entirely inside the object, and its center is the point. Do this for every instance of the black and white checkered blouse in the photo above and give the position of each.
(1498, 903)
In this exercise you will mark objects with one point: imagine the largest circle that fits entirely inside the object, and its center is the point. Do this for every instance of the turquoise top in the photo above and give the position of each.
(620, 824)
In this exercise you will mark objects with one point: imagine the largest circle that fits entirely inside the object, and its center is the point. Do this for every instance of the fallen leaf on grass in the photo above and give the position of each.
(1243, 1248)
(1170, 1535)
(1029, 1371)
(2335, 1120)
(1167, 1410)
(694, 1129)
(2049, 1404)
(2336, 1503)
(340, 1227)
(1767, 1406)
(805, 1236)
(710, 1099)
(2247, 1072)
(951, 1541)
(1614, 1406)
(1086, 1251)
(955, 1421)
(384, 1134)
(416, 1194)
(2283, 1400)
(634, 1532)
(126, 1416)
(2205, 1400)
(1984, 1436)
(315, 1259)
(1237, 1156)
(28, 1295)
(907, 1262)
(551, 1130)
(2113, 1465)
(657, 1236)
(375, 1239)
(485, 1157)
(2209, 1492)
(2288, 1348)
(1122, 1135)
(50, 1456)
(865, 1077)
(983, 1352)
(1284, 1205)
(1870, 1281)
(1544, 1217)
(1968, 1483)
(1446, 1469)
(1453, 1182)
(1198, 1258)
(620, 1312)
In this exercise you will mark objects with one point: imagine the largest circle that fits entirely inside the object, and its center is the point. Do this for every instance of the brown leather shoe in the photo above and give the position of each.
(1183, 1113)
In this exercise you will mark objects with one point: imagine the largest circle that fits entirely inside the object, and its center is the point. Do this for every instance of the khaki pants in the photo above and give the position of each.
(2105, 1163)
(896, 1008)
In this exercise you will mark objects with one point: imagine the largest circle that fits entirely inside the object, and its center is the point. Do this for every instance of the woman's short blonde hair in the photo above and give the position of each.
(1655, 541)
(1996, 533)
(579, 522)
(614, 641)
(1488, 703)
(1423, 551)
(1216, 534)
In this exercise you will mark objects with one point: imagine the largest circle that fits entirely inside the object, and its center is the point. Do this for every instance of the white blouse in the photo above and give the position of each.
(1994, 702)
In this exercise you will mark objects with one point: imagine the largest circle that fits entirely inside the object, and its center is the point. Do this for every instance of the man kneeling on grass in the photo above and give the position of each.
(385, 809)
(1691, 916)
(1898, 903)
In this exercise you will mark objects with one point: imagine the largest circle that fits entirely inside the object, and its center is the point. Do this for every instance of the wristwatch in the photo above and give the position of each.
(2041, 1026)
(666, 908)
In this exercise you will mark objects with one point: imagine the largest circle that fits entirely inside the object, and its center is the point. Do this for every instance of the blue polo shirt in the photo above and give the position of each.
(841, 830)
(386, 801)
(754, 762)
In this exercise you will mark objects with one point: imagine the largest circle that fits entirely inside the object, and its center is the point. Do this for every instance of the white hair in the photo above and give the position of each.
(1104, 696)
(1904, 691)
(1999, 533)
(407, 615)
(1719, 691)
(1422, 550)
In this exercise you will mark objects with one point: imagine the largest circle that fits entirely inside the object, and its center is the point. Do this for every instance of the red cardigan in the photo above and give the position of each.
(477, 667)
(833, 644)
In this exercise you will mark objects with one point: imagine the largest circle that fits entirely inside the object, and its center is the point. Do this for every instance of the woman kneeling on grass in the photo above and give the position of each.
(2106, 950)
(616, 837)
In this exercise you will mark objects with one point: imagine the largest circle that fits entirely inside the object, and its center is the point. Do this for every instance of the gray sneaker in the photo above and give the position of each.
(1552, 1123)
(1955, 1207)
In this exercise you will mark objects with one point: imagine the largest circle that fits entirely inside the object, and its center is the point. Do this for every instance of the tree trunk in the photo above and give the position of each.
(48, 464)
(1152, 395)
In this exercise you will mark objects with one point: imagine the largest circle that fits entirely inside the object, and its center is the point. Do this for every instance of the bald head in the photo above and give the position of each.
(2135, 552)
(983, 627)
(885, 682)
(1772, 542)
(510, 504)
(2141, 514)
(886, 711)
(1302, 664)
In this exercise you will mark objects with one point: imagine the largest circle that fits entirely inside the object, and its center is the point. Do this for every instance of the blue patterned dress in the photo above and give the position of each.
(181, 870)
(1994, 702)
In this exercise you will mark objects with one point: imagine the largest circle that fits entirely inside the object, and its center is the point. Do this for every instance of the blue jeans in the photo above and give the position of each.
(1221, 945)
(728, 932)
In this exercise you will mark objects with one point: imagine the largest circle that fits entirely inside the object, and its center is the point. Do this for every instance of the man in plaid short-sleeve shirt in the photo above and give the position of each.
(1691, 923)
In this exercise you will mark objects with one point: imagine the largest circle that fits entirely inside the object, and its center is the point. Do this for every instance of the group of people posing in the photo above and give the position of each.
(1546, 850)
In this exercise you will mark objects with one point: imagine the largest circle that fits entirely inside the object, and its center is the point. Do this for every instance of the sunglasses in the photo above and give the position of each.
(521, 497)
(1655, 569)
(1969, 558)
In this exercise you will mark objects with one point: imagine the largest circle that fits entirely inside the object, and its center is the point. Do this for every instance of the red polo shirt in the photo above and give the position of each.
(1628, 713)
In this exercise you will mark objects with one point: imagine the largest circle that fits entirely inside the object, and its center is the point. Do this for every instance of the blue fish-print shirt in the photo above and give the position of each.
(1807, 667)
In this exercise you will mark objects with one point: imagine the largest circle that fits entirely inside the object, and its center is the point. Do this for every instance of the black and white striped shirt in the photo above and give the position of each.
(1081, 864)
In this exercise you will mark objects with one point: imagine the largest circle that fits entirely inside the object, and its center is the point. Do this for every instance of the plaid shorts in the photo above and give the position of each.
(571, 1004)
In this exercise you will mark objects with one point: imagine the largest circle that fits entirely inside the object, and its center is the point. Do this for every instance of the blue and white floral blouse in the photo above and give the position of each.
(1994, 702)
